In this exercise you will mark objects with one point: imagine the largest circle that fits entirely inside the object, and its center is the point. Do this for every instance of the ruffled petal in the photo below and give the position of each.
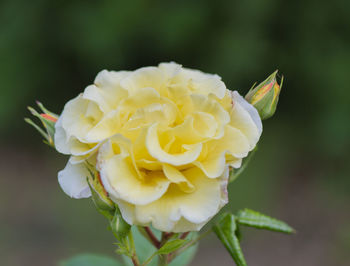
(204, 83)
(213, 166)
(196, 208)
(121, 178)
(108, 126)
(71, 145)
(144, 77)
(170, 70)
(155, 150)
(79, 117)
(176, 177)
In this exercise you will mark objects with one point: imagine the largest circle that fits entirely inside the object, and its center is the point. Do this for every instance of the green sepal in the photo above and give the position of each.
(102, 204)
(48, 124)
(225, 230)
(98, 194)
(119, 226)
(255, 219)
(46, 111)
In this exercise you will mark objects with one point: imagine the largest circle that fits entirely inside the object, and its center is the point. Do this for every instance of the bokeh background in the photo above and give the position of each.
(51, 50)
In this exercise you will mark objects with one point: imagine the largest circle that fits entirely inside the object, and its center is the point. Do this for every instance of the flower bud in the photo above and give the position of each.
(264, 97)
(48, 120)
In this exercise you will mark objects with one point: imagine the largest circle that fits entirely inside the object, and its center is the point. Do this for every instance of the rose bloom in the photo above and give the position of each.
(163, 140)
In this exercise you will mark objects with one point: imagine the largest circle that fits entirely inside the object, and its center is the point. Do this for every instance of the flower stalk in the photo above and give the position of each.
(153, 239)
(162, 260)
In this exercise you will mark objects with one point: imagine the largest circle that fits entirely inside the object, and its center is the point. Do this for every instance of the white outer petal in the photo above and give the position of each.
(60, 138)
(72, 180)
(250, 109)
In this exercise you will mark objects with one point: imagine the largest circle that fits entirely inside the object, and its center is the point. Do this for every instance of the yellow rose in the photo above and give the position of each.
(163, 139)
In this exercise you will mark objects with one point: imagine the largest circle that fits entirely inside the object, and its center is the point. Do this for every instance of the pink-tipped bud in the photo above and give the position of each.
(49, 117)
(265, 96)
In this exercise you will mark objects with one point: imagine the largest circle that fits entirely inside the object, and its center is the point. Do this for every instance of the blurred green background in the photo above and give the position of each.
(51, 50)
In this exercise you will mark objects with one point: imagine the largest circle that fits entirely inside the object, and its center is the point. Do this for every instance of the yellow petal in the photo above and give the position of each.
(79, 116)
(175, 176)
(70, 144)
(121, 179)
(168, 212)
(144, 77)
(201, 103)
(107, 98)
(108, 126)
(197, 127)
(156, 151)
(121, 182)
(213, 166)
(170, 70)
(205, 84)
(233, 143)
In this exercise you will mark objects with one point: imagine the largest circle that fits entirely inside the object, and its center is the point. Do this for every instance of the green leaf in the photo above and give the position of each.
(255, 219)
(225, 229)
(90, 260)
(119, 226)
(235, 174)
(171, 246)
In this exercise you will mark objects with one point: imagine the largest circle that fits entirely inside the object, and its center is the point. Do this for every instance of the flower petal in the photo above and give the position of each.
(60, 138)
(144, 77)
(200, 103)
(108, 126)
(80, 116)
(72, 180)
(122, 179)
(175, 176)
(170, 70)
(233, 141)
(213, 166)
(155, 150)
(205, 83)
(196, 208)
(106, 98)
(233, 145)
(246, 118)
(70, 145)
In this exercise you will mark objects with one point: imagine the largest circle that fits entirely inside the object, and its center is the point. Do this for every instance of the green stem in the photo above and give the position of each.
(163, 260)
(189, 244)
(134, 257)
(149, 259)
(151, 237)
